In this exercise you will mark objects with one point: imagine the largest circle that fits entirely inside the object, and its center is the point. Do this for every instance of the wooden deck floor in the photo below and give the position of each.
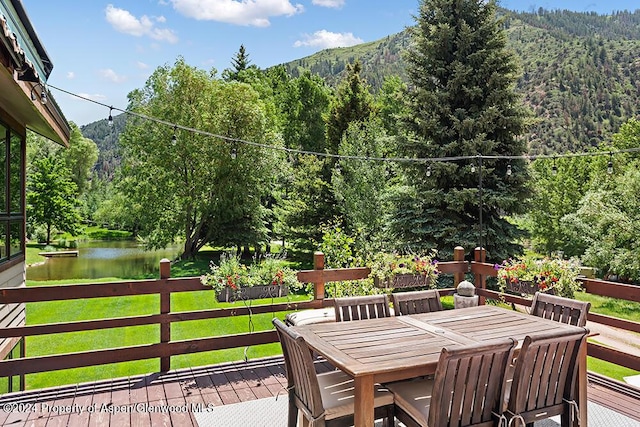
(171, 399)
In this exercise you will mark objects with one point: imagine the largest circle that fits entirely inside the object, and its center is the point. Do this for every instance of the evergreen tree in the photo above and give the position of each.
(240, 63)
(462, 102)
(241, 60)
(353, 103)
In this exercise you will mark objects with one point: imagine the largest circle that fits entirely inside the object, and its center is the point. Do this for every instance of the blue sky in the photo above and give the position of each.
(104, 50)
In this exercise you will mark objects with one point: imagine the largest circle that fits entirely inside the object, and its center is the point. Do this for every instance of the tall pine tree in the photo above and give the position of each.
(462, 102)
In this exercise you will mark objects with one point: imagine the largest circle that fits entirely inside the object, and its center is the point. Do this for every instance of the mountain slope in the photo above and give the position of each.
(580, 72)
(580, 75)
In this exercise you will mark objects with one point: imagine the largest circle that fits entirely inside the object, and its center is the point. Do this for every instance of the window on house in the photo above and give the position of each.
(11, 193)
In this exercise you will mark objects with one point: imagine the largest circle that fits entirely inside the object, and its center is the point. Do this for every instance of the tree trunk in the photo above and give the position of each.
(48, 234)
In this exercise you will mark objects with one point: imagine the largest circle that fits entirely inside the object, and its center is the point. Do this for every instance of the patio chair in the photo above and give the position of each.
(416, 302)
(545, 378)
(325, 399)
(362, 307)
(467, 390)
(563, 310)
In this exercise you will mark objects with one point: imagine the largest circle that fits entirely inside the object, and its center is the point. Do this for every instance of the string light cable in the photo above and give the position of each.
(430, 160)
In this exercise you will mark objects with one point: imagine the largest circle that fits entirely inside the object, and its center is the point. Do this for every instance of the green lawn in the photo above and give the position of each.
(622, 309)
(64, 311)
(68, 311)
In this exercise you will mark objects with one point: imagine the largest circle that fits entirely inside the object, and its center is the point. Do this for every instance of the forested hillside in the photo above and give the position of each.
(106, 138)
(580, 72)
(579, 75)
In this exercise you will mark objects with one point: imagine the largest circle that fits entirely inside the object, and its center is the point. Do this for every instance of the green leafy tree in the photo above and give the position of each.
(304, 108)
(195, 186)
(299, 212)
(461, 102)
(558, 186)
(80, 157)
(390, 104)
(360, 186)
(607, 222)
(52, 196)
(305, 192)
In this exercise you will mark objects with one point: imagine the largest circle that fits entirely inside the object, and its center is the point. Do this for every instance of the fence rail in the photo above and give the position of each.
(165, 318)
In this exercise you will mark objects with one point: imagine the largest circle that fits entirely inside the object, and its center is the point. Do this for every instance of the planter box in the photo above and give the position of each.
(525, 287)
(252, 292)
(404, 281)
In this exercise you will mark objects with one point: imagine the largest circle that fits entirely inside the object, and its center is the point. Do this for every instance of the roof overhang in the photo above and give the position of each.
(24, 68)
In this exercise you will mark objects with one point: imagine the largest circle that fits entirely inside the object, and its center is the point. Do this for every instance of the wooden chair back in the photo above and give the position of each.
(416, 302)
(469, 384)
(302, 381)
(545, 375)
(560, 309)
(362, 307)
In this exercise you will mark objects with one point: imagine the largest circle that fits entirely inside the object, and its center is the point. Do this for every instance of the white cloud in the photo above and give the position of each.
(246, 12)
(93, 96)
(112, 76)
(71, 75)
(336, 4)
(141, 65)
(123, 21)
(326, 39)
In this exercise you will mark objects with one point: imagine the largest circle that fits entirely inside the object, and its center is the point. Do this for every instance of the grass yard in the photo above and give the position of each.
(97, 308)
(622, 309)
(66, 311)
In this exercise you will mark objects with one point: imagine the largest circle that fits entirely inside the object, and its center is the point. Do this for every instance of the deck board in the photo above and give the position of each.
(196, 388)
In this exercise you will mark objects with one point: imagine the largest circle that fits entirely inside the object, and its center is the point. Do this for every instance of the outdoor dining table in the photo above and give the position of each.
(402, 347)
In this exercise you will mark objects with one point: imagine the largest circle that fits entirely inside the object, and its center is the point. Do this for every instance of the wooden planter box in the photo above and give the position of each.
(252, 292)
(404, 281)
(525, 287)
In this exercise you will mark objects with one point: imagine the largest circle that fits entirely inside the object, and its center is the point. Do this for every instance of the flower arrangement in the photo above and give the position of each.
(387, 266)
(528, 275)
(231, 274)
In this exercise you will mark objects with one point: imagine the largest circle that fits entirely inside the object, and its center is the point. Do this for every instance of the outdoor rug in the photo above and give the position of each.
(599, 416)
(268, 412)
(272, 412)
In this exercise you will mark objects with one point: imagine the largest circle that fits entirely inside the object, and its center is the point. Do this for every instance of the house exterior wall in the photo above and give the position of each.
(24, 69)
(11, 314)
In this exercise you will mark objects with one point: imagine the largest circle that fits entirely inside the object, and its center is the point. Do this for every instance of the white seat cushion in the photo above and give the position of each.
(337, 389)
(414, 397)
(307, 317)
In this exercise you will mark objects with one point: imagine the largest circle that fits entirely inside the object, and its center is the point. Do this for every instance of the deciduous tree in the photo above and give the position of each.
(52, 196)
(199, 187)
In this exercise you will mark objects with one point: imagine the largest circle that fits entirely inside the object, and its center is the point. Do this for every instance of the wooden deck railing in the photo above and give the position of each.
(604, 288)
(166, 286)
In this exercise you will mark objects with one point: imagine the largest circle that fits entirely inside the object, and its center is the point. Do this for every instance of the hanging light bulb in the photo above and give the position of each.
(429, 170)
(610, 164)
(554, 168)
(43, 95)
(110, 119)
(509, 171)
(234, 153)
(174, 138)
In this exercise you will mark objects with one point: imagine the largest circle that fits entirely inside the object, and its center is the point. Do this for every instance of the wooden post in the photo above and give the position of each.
(318, 287)
(479, 255)
(458, 255)
(165, 308)
(23, 354)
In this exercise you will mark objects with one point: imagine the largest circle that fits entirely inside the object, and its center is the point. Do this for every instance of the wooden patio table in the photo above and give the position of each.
(397, 348)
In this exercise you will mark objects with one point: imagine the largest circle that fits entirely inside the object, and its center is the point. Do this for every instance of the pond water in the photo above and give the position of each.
(126, 259)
